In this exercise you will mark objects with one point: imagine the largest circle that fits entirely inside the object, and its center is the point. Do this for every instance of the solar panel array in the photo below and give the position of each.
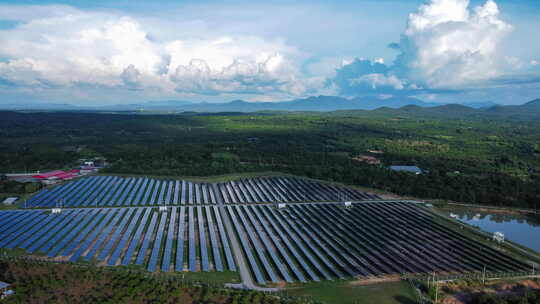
(115, 191)
(302, 242)
(326, 241)
(127, 235)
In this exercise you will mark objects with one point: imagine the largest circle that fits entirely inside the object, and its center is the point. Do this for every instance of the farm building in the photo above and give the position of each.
(5, 290)
(53, 176)
(411, 169)
(10, 200)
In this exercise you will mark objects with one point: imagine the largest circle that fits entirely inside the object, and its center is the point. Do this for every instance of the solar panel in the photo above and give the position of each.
(281, 220)
(224, 194)
(30, 202)
(137, 237)
(224, 239)
(197, 193)
(202, 240)
(169, 194)
(236, 190)
(140, 191)
(192, 245)
(10, 234)
(87, 218)
(213, 239)
(179, 263)
(259, 190)
(342, 237)
(133, 191)
(247, 249)
(183, 200)
(147, 238)
(103, 235)
(66, 197)
(331, 240)
(155, 192)
(66, 218)
(120, 190)
(212, 195)
(74, 200)
(125, 238)
(53, 221)
(268, 190)
(190, 193)
(176, 191)
(154, 256)
(78, 216)
(146, 199)
(249, 198)
(26, 234)
(106, 192)
(80, 237)
(127, 190)
(13, 220)
(90, 239)
(258, 248)
(167, 253)
(283, 236)
(204, 192)
(92, 200)
(163, 190)
(116, 234)
(108, 199)
(230, 192)
(49, 200)
(83, 200)
(258, 222)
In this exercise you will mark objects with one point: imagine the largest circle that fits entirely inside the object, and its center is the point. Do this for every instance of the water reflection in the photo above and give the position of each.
(521, 229)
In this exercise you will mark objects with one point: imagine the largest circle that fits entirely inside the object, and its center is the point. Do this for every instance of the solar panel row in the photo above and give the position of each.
(298, 243)
(115, 235)
(128, 191)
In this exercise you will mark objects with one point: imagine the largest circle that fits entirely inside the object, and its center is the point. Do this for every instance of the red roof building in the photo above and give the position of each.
(57, 174)
(48, 175)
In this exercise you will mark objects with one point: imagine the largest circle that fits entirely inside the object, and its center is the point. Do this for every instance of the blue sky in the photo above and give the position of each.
(103, 52)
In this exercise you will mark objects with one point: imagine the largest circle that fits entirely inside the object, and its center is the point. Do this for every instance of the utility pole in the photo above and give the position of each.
(484, 276)
(436, 292)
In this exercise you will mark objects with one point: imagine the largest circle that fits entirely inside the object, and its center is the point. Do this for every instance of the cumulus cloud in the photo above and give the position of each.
(74, 48)
(446, 45)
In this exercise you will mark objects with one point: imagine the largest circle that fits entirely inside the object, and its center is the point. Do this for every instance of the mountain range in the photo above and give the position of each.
(314, 103)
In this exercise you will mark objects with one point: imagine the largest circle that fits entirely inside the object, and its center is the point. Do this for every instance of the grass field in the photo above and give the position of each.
(344, 292)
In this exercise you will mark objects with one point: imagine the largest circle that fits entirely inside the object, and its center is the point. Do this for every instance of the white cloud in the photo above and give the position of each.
(68, 48)
(535, 62)
(448, 45)
(379, 80)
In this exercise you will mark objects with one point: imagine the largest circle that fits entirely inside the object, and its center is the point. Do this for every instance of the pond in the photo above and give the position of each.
(521, 229)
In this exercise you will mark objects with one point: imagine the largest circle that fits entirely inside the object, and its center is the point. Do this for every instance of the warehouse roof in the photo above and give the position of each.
(413, 169)
(10, 200)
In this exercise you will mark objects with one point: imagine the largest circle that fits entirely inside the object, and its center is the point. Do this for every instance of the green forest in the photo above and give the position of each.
(473, 160)
(36, 282)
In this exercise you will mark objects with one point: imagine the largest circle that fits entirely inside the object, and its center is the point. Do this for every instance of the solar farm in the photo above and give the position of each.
(175, 226)
(103, 191)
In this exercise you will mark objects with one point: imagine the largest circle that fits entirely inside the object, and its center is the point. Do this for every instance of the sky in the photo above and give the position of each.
(114, 52)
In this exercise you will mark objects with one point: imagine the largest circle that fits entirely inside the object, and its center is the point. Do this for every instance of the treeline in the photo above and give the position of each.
(473, 160)
(36, 282)
(7, 186)
(530, 297)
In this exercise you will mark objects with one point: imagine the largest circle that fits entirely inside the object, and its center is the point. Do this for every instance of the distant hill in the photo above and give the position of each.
(392, 105)
(314, 103)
